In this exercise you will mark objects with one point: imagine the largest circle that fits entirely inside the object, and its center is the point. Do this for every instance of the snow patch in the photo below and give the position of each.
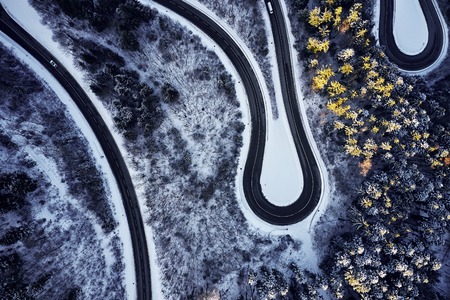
(410, 27)
(376, 30)
(156, 272)
(281, 176)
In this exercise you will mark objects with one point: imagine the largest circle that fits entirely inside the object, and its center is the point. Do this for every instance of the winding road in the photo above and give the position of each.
(432, 50)
(112, 153)
(310, 196)
(270, 213)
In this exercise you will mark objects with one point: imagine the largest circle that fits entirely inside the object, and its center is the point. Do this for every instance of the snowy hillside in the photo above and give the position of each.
(58, 237)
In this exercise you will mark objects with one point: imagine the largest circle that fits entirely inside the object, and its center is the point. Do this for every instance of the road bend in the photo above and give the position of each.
(110, 148)
(309, 198)
(434, 46)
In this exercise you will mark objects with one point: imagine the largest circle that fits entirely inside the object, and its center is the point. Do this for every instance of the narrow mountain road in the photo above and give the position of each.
(310, 196)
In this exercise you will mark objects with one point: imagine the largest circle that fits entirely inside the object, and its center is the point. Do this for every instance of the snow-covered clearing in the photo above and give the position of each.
(410, 26)
(281, 177)
(28, 18)
(410, 13)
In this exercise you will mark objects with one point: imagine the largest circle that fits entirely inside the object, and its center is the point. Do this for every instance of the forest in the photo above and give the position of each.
(395, 128)
(57, 233)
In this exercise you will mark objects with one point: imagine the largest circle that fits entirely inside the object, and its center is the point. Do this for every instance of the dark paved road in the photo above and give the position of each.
(112, 153)
(433, 48)
(310, 195)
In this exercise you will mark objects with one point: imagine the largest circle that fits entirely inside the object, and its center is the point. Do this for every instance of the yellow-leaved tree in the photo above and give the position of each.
(320, 80)
(335, 88)
(315, 45)
(315, 18)
(346, 69)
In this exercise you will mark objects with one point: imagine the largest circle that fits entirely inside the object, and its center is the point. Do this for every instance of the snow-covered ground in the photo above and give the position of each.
(281, 177)
(403, 15)
(155, 271)
(27, 17)
(410, 26)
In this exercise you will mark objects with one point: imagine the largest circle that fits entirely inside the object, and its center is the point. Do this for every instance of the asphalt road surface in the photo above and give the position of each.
(310, 195)
(112, 153)
(433, 48)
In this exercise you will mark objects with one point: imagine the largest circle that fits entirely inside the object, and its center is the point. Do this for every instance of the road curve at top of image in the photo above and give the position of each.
(432, 50)
(311, 192)
(110, 148)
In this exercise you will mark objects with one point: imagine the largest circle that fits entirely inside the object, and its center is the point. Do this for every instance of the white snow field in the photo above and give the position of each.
(410, 26)
(281, 176)
(403, 15)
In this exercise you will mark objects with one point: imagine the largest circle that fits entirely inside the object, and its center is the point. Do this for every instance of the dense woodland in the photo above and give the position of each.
(396, 129)
(53, 235)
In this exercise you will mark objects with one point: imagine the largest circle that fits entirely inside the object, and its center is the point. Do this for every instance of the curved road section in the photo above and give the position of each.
(112, 153)
(432, 50)
(310, 195)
